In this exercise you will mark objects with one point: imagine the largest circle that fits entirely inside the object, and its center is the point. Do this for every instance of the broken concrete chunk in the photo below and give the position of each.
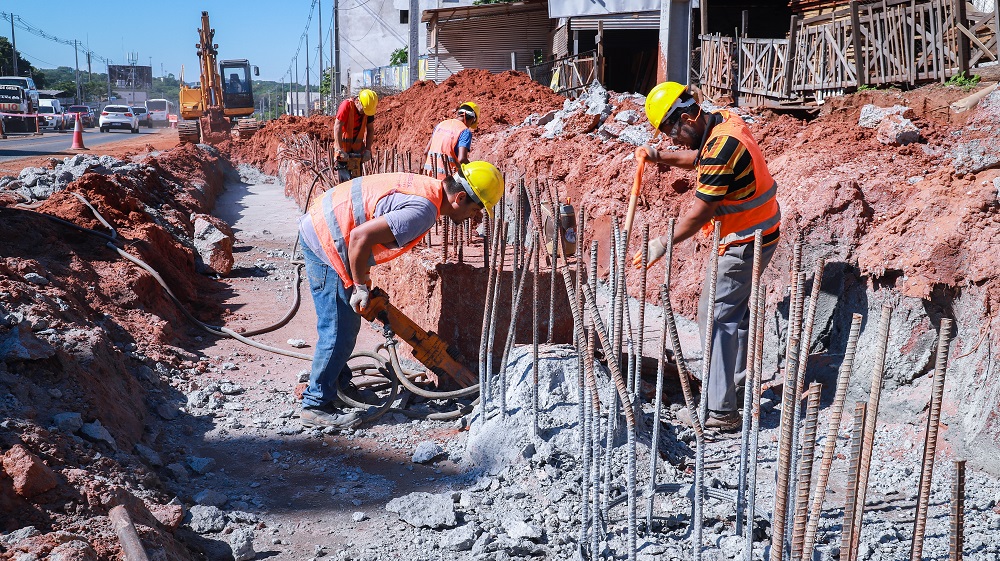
(170, 515)
(517, 525)
(29, 473)
(873, 115)
(76, 550)
(211, 497)
(20, 534)
(426, 451)
(204, 519)
(241, 542)
(297, 343)
(21, 344)
(459, 539)
(424, 510)
(895, 130)
(359, 516)
(35, 278)
(213, 241)
(97, 433)
(201, 466)
(69, 422)
(148, 455)
(178, 472)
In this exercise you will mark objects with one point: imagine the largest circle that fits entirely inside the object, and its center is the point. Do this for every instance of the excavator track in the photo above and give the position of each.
(245, 128)
(188, 131)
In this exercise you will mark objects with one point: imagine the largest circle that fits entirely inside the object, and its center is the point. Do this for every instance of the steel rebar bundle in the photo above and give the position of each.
(484, 375)
(805, 471)
(851, 491)
(510, 336)
(758, 369)
(748, 382)
(830, 446)
(791, 376)
(500, 259)
(870, 421)
(534, 339)
(784, 454)
(595, 464)
(957, 541)
(930, 441)
(654, 446)
(642, 311)
(556, 243)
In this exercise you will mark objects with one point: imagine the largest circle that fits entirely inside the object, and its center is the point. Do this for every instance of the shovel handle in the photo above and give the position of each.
(636, 184)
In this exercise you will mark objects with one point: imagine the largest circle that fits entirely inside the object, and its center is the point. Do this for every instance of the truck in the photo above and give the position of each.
(16, 100)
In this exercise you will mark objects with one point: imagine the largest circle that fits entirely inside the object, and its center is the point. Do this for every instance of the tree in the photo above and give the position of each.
(399, 56)
(324, 84)
(24, 67)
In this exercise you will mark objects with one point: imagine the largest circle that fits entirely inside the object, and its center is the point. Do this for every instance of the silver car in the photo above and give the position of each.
(53, 121)
(118, 117)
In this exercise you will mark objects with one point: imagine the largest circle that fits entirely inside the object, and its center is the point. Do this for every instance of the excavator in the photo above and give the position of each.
(223, 98)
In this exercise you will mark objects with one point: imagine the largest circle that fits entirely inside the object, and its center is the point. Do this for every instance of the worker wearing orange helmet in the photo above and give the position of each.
(354, 226)
(353, 133)
(451, 142)
(736, 190)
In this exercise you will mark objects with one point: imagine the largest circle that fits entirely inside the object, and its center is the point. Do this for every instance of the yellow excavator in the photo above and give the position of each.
(224, 97)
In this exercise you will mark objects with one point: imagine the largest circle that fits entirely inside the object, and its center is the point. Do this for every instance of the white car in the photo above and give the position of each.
(53, 121)
(118, 117)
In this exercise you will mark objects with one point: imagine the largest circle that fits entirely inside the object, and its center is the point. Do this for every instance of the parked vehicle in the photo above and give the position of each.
(86, 115)
(159, 111)
(143, 116)
(118, 117)
(50, 119)
(18, 96)
(27, 84)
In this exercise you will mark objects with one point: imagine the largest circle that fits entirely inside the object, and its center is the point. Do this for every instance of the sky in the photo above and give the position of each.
(165, 32)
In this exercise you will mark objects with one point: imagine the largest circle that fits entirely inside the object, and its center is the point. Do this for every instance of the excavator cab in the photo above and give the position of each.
(237, 88)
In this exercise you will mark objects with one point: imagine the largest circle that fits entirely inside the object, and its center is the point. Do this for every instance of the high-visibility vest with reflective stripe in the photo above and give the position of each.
(351, 204)
(353, 143)
(739, 219)
(441, 148)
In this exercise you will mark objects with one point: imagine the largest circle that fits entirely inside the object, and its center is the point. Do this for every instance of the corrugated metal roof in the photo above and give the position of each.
(635, 20)
(486, 10)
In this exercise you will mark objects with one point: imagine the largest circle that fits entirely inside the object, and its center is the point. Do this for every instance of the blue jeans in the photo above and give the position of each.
(337, 325)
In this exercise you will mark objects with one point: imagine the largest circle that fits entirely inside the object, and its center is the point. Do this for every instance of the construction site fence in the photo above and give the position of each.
(865, 44)
(568, 75)
(394, 78)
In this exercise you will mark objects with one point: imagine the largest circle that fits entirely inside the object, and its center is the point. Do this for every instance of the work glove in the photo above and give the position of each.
(341, 156)
(359, 298)
(366, 155)
(656, 252)
(645, 152)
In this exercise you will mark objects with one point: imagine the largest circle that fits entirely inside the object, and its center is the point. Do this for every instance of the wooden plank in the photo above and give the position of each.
(791, 59)
(860, 65)
(912, 59)
(961, 20)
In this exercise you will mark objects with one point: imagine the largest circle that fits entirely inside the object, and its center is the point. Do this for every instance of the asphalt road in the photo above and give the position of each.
(58, 143)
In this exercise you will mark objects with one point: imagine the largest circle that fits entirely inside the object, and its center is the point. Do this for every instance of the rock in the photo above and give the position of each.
(198, 398)
(359, 516)
(459, 539)
(517, 525)
(629, 117)
(201, 466)
(213, 241)
(426, 451)
(148, 455)
(241, 542)
(204, 519)
(29, 473)
(68, 422)
(424, 510)
(872, 115)
(178, 472)
(169, 515)
(35, 278)
(96, 432)
(229, 388)
(297, 343)
(76, 550)
(20, 534)
(895, 130)
(304, 375)
(166, 411)
(732, 547)
(211, 497)
(19, 343)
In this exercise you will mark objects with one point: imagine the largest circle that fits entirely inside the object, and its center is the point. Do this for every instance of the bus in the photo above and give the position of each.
(159, 110)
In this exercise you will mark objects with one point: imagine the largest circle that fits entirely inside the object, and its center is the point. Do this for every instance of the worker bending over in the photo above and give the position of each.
(363, 222)
(736, 189)
(353, 133)
(451, 142)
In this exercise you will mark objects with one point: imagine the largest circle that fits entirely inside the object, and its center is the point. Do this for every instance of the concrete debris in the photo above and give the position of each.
(211, 497)
(359, 516)
(427, 451)
(68, 422)
(459, 539)
(518, 526)
(20, 534)
(206, 519)
(872, 115)
(148, 455)
(213, 241)
(425, 510)
(35, 278)
(297, 343)
(896, 130)
(977, 150)
(75, 550)
(20, 343)
(96, 432)
(178, 472)
(35, 184)
(201, 466)
(241, 542)
(29, 474)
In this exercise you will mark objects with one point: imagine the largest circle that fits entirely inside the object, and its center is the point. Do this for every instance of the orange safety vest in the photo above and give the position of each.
(351, 204)
(740, 219)
(353, 143)
(442, 148)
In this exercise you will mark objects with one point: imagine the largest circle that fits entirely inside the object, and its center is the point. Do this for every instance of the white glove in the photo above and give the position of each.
(656, 252)
(359, 298)
(366, 155)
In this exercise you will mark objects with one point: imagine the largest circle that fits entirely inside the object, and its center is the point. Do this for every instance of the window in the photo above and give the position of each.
(404, 16)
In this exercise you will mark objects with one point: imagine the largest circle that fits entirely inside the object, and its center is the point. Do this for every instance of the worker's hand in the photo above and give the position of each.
(359, 298)
(366, 155)
(645, 153)
(656, 252)
(341, 156)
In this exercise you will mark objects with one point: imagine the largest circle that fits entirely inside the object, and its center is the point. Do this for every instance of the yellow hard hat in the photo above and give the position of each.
(369, 101)
(661, 100)
(485, 182)
(466, 108)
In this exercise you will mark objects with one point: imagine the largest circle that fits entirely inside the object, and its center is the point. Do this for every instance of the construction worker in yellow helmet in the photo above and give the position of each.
(736, 192)
(352, 227)
(353, 133)
(451, 142)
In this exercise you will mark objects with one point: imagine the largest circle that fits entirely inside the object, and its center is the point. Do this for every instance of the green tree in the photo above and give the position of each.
(399, 56)
(24, 67)
(324, 84)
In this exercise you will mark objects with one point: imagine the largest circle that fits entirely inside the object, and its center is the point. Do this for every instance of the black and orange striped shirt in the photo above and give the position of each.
(725, 168)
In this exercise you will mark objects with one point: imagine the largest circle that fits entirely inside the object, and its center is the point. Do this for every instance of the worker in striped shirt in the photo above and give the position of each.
(735, 191)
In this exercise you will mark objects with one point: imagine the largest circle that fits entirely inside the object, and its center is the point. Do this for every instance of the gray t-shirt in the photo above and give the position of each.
(408, 216)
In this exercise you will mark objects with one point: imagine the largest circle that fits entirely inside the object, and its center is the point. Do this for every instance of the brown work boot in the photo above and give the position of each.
(316, 417)
(721, 421)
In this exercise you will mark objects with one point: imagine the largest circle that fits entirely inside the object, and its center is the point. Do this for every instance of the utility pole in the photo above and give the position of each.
(132, 59)
(414, 48)
(76, 53)
(320, 22)
(308, 101)
(13, 45)
(336, 46)
(296, 96)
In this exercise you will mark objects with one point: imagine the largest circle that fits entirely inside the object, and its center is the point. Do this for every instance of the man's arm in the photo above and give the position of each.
(463, 155)
(364, 238)
(692, 221)
(676, 158)
(338, 135)
(369, 134)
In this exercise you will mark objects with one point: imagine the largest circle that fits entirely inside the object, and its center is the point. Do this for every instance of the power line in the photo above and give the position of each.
(18, 21)
(302, 38)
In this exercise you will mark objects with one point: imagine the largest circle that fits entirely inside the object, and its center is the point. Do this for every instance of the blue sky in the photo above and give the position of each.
(166, 31)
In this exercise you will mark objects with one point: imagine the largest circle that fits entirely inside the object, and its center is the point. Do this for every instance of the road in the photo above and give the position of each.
(58, 143)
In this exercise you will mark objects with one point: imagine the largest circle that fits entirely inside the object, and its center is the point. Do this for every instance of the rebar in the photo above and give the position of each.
(556, 242)
(751, 491)
(750, 363)
(930, 441)
(668, 258)
(595, 465)
(805, 470)
(706, 369)
(461, 241)
(784, 455)
(830, 446)
(684, 374)
(641, 335)
(870, 421)
(501, 242)
(444, 240)
(484, 375)
(510, 339)
(957, 513)
(534, 340)
(579, 256)
(654, 446)
(851, 499)
(592, 278)
(791, 376)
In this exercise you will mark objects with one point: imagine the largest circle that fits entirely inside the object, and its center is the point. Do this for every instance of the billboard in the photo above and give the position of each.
(128, 77)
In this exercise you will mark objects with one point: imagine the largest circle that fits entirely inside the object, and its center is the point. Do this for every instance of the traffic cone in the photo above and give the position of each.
(78, 135)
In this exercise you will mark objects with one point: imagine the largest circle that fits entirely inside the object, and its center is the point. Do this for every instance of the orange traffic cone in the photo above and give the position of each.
(78, 135)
